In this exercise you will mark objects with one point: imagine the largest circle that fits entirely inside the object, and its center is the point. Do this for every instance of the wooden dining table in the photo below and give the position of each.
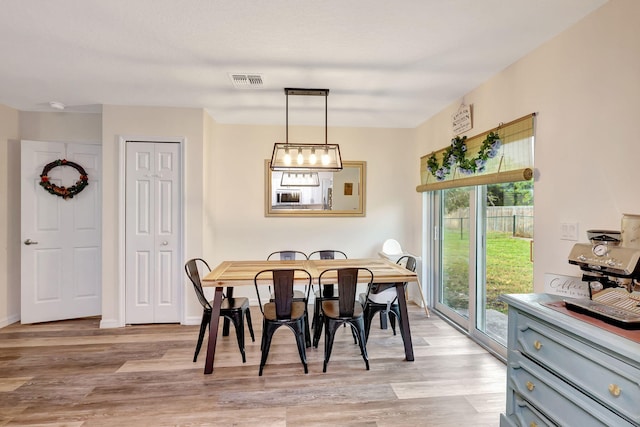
(242, 273)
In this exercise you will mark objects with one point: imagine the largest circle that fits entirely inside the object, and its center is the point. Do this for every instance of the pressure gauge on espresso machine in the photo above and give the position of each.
(602, 239)
(600, 249)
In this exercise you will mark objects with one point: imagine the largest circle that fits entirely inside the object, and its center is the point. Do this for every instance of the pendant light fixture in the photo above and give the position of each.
(306, 156)
(299, 179)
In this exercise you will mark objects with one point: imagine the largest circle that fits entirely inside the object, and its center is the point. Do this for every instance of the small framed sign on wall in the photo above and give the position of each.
(461, 120)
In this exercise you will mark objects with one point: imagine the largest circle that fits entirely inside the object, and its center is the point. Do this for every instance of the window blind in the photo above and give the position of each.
(512, 162)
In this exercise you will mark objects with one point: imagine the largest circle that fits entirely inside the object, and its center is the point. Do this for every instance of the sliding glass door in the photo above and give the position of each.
(454, 244)
(505, 263)
(482, 250)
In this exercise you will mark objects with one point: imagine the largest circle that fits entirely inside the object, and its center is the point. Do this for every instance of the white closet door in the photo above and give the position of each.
(152, 232)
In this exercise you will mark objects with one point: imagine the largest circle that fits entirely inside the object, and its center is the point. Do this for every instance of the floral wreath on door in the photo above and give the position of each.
(64, 192)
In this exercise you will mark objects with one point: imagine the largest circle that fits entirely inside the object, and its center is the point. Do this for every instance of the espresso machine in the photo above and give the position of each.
(613, 273)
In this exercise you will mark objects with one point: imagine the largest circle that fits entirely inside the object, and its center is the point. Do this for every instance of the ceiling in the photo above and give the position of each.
(386, 64)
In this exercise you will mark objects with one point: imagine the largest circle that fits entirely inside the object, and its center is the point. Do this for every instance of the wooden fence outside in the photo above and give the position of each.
(517, 220)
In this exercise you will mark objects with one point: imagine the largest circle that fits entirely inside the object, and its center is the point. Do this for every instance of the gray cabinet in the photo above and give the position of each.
(563, 371)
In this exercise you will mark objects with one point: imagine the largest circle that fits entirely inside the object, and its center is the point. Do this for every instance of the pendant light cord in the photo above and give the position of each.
(325, 117)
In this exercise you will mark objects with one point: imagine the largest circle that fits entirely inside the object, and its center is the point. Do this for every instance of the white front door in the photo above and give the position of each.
(152, 206)
(61, 251)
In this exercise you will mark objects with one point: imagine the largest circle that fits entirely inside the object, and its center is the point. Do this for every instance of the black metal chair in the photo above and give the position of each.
(383, 298)
(282, 310)
(345, 310)
(298, 295)
(287, 255)
(234, 309)
(326, 292)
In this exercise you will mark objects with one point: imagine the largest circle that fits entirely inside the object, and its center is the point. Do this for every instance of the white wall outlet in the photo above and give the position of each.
(569, 231)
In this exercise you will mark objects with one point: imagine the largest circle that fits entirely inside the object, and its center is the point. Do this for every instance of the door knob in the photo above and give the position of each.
(165, 243)
(30, 242)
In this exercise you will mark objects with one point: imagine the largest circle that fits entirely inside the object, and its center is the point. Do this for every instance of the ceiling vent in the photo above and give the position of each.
(246, 81)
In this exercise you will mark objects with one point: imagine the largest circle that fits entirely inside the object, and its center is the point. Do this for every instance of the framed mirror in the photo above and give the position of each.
(316, 194)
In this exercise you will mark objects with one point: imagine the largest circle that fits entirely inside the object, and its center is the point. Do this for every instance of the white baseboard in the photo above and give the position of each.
(192, 320)
(110, 323)
(9, 320)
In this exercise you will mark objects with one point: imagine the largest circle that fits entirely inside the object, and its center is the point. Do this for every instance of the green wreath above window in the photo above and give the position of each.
(64, 192)
(456, 156)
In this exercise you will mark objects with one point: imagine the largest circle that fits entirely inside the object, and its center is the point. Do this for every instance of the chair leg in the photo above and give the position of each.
(357, 326)
(238, 322)
(330, 328)
(225, 327)
(395, 316)
(307, 331)
(247, 313)
(298, 331)
(383, 319)
(316, 313)
(369, 314)
(267, 333)
(394, 313)
(317, 330)
(206, 318)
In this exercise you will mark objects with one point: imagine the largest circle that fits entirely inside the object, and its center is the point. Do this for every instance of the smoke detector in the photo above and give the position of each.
(246, 81)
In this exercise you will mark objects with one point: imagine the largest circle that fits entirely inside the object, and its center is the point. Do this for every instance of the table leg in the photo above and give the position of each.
(213, 330)
(404, 322)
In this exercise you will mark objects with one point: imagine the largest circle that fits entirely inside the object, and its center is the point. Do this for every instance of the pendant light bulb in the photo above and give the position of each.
(287, 157)
(300, 158)
(313, 158)
(325, 157)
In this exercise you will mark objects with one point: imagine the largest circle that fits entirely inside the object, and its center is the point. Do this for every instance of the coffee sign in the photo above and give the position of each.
(566, 286)
(461, 120)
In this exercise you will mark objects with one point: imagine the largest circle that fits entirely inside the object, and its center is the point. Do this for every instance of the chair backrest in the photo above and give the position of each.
(287, 255)
(192, 267)
(347, 283)
(282, 281)
(327, 254)
(408, 262)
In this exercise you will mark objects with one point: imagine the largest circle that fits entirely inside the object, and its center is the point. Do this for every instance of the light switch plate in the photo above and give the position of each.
(569, 231)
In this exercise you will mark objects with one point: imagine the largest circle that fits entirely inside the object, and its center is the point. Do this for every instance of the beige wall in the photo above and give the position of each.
(146, 123)
(9, 214)
(14, 126)
(585, 86)
(234, 195)
(61, 127)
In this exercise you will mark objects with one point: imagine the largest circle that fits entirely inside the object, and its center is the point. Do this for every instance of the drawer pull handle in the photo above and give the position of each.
(614, 390)
(533, 424)
(531, 386)
(537, 345)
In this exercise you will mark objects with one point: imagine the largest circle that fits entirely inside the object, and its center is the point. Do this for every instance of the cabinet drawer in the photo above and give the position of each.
(608, 379)
(562, 403)
(525, 415)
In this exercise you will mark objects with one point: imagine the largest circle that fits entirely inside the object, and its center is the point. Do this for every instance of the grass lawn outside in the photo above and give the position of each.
(509, 269)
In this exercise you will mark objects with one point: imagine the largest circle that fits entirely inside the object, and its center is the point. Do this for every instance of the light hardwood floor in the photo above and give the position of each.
(71, 373)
